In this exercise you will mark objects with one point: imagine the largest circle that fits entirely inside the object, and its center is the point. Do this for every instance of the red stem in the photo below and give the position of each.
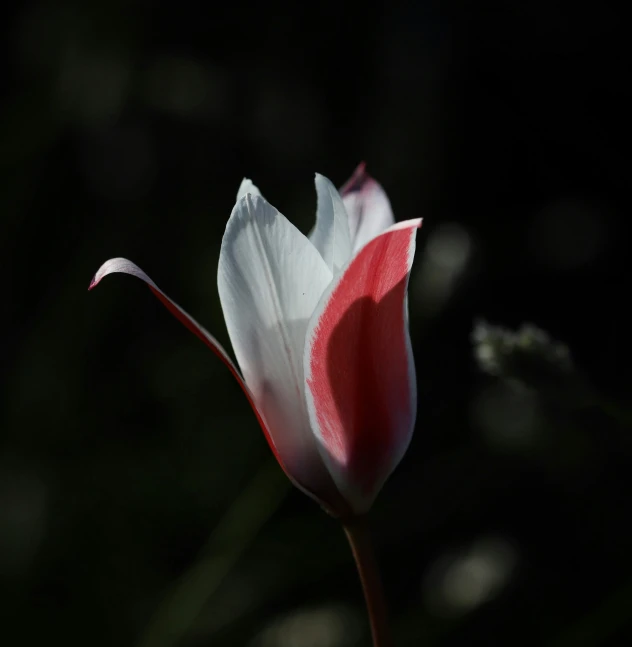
(357, 533)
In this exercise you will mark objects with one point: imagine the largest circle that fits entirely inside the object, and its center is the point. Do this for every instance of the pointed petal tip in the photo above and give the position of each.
(414, 223)
(247, 187)
(322, 180)
(119, 265)
(359, 178)
(360, 169)
(107, 268)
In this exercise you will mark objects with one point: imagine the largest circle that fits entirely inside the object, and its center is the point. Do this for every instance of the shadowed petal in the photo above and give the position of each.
(368, 207)
(359, 370)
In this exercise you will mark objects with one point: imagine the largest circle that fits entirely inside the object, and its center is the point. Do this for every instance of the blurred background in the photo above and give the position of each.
(139, 503)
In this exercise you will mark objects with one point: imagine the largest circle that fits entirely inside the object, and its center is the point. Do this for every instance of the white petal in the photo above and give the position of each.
(270, 279)
(247, 187)
(368, 208)
(330, 236)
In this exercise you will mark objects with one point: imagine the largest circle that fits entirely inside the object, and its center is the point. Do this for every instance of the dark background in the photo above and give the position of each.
(139, 503)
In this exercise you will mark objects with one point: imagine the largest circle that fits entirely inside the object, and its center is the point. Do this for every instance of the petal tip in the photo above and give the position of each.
(358, 179)
(413, 223)
(104, 270)
(118, 265)
(360, 170)
(246, 187)
(322, 181)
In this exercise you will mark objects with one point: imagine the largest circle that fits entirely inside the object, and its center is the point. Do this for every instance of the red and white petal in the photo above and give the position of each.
(270, 279)
(330, 236)
(359, 371)
(127, 267)
(247, 186)
(368, 207)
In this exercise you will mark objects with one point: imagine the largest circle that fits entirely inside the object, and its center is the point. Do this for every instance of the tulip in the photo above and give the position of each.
(319, 328)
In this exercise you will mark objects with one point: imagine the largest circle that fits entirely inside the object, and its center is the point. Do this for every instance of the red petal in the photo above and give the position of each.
(360, 375)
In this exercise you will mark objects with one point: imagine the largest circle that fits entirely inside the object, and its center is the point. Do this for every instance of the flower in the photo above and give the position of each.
(319, 328)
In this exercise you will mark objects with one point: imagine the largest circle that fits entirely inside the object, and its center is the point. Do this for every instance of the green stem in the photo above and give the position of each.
(228, 541)
(357, 533)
